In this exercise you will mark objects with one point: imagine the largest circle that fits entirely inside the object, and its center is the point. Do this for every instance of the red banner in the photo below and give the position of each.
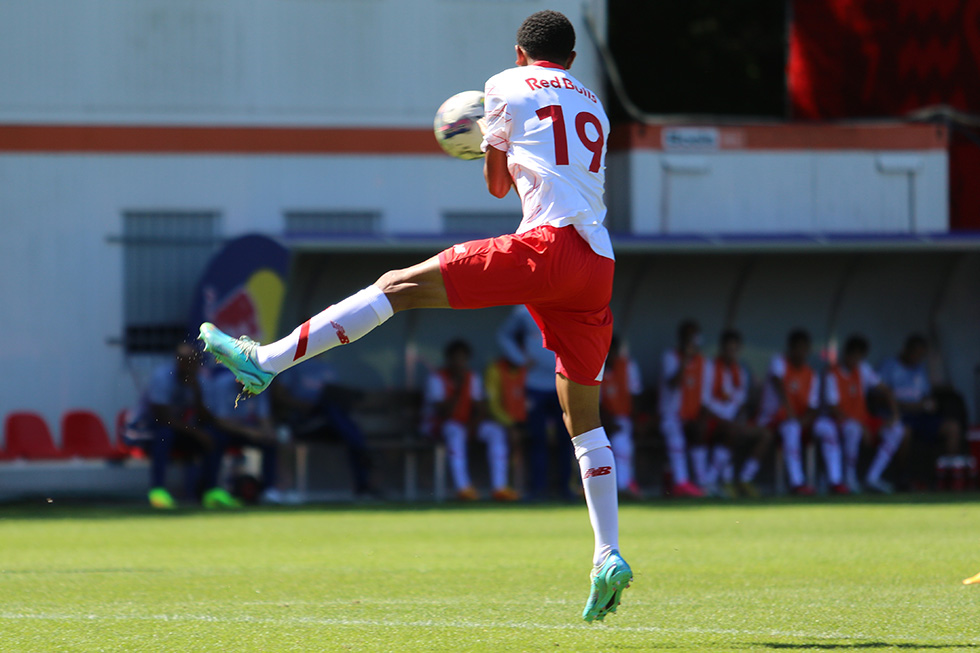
(875, 58)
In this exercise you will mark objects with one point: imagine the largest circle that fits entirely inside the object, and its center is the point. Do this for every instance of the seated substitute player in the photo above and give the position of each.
(521, 342)
(314, 406)
(790, 399)
(504, 384)
(620, 384)
(172, 415)
(682, 383)
(907, 376)
(250, 425)
(455, 408)
(545, 135)
(726, 394)
(846, 389)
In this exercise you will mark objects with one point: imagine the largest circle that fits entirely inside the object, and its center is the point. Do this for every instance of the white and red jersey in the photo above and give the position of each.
(554, 131)
(727, 388)
(847, 389)
(684, 401)
(801, 385)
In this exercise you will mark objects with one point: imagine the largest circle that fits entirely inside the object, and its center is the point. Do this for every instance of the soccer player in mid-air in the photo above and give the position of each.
(544, 134)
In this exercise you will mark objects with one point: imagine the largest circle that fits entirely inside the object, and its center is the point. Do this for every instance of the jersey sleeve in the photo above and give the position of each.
(670, 365)
(476, 387)
(435, 390)
(777, 367)
(635, 380)
(814, 399)
(869, 376)
(831, 393)
(707, 391)
(497, 117)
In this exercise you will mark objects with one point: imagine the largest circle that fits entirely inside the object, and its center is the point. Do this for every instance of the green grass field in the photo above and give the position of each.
(709, 577)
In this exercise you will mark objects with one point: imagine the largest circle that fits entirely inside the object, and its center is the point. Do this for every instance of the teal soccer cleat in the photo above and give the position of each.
(238, 356)
(608, 582)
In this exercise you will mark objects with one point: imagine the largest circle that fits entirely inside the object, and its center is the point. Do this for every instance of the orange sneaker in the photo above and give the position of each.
(972, 580)
(467, 494)
(505, 494)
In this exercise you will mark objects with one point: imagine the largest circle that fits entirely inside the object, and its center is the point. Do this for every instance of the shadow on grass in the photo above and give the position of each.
(860, 646)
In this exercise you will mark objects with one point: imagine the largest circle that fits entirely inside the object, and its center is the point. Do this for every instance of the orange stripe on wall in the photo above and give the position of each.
(791, 137)
(214, 140)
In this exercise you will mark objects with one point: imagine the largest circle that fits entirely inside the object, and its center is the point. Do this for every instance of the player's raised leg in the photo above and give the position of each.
(610, 574)
(255, 365)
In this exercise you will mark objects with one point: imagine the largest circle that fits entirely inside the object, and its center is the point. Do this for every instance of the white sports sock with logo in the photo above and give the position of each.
(595, 460)
(339, 324)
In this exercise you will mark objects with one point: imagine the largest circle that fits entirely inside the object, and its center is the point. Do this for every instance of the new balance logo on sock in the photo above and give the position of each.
(344, 340)
(597, 471)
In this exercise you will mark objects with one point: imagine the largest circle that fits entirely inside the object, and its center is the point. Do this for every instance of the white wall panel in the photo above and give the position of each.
(331, 62)
(781, 192)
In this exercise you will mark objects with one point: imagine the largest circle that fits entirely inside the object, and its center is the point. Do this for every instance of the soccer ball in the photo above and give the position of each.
(455, 125)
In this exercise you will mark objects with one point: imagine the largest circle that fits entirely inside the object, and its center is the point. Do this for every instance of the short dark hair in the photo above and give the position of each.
(857, 344)
(730, 335)
(458, 346)
(916, 340)
(547, 36)
(798, 337)
(686, 329)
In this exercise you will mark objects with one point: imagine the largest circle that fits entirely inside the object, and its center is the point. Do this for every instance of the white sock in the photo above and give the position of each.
(852, 433)
(495, 437)
(791, 432)
(337, 325)
(826, 432)
(676, 449)
(891, 440)
(622, 446)
(595, 460)
(454, 435)
(749, 469)
(721, 459)
(699, 460)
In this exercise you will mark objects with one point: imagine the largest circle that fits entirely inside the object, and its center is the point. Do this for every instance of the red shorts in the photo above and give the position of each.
(564, 284)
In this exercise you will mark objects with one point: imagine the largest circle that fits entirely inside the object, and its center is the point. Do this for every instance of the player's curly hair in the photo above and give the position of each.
(547, 36)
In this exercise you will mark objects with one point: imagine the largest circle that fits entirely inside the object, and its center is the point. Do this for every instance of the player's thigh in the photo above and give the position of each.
(418, 286)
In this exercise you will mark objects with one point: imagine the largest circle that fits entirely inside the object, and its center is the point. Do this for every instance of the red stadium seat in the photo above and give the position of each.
(27, 436)
(83, 435)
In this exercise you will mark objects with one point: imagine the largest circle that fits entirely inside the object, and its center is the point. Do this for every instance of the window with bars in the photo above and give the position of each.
(165, 253)
(480, 223)
(313, 223)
